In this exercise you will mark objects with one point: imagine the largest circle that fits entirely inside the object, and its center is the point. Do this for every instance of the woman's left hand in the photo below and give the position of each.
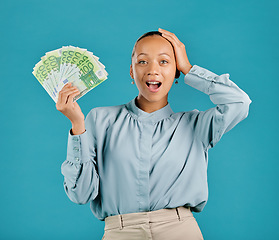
(182, 62)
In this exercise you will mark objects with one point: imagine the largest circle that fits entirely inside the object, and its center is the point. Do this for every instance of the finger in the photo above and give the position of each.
(174, 40)
(65, 98)
(171, 39)
(163, 30)
(68, 93)
(71, 97)
(63, 95)
(168, 37)
(67, 85)
(167, 32)
(68, 89)
(172, 36)
(173, 43)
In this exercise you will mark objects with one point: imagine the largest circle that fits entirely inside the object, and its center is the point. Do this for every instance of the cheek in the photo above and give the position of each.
(168, 84)
(137, 72)
(169, 77)
(170, 72)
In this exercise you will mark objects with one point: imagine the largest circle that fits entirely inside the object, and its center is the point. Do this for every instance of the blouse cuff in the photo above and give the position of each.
(201, 78)
(77, 149)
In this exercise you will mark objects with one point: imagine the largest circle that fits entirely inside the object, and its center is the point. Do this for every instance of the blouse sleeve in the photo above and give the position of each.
(81, 179)
(232, 104)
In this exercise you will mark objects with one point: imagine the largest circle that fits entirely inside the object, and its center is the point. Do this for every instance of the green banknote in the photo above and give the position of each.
(69, 64)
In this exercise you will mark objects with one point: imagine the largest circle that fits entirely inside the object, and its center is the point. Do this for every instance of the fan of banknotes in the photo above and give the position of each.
(69, 64)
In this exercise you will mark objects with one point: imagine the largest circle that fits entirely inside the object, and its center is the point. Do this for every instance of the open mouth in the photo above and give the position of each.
(153, 85)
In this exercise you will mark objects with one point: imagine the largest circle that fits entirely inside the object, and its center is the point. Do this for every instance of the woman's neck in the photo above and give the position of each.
(150, 107)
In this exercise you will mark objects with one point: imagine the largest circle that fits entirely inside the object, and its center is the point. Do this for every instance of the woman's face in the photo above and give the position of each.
(153, 68)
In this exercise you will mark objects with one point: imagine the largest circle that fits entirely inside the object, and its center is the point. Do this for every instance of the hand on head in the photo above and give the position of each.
(182, 61)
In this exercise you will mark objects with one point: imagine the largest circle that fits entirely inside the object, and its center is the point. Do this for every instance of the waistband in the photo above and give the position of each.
(128, 219)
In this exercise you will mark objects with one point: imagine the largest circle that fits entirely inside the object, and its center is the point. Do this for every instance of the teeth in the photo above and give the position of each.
(153, 82)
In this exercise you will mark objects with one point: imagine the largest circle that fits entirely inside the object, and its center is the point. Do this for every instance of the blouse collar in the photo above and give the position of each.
(143, 116)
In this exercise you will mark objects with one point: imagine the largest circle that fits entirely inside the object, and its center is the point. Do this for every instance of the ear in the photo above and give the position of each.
(131, 72)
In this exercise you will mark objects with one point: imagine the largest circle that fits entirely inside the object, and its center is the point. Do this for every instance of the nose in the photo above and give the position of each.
(153, 69)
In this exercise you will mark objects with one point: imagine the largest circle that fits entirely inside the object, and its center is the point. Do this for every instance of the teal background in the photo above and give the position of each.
(235, 37)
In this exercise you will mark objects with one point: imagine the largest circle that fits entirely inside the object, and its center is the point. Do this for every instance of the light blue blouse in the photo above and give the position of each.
(129, 160)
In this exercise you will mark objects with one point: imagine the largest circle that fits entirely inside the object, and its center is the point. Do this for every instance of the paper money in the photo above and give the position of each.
(69, 64)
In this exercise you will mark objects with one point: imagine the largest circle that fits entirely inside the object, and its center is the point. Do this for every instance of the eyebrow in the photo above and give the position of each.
(158, 54)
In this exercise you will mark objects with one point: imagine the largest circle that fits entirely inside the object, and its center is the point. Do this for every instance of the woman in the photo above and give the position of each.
(142, 167)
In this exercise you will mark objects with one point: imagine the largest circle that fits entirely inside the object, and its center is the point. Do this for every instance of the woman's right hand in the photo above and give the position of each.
(69, 108)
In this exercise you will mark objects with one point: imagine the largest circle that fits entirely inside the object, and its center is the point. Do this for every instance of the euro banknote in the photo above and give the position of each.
(69, 64)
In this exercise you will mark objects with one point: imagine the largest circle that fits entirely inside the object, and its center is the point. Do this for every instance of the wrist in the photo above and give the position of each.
(78, 128)
(186, 69)
(78, 122)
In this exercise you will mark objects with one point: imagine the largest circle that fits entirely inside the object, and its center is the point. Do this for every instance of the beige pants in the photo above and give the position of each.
(164, 224)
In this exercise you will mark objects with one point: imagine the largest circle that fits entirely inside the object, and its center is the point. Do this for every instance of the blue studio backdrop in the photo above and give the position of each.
(236, 37)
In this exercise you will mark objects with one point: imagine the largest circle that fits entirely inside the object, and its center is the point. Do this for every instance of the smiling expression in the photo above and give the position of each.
(153, 68)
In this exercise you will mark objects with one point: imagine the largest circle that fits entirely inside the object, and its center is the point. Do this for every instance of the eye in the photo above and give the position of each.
(142, 61)
(164, 61)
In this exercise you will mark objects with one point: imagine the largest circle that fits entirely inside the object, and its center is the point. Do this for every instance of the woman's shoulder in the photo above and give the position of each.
(115, 108)
(106, 112)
